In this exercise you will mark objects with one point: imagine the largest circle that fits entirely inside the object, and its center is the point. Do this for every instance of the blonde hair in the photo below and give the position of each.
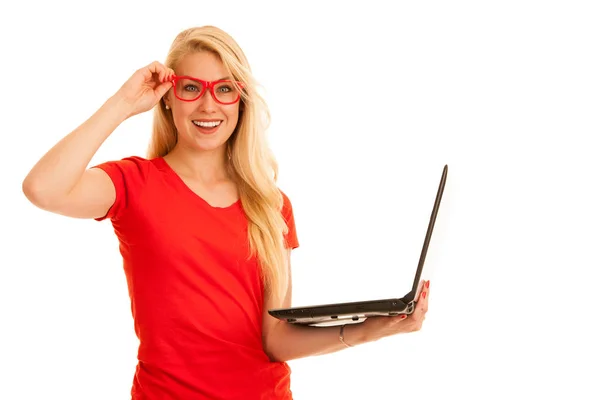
(252, 165)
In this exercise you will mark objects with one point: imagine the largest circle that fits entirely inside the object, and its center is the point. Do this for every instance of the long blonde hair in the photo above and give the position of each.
(252, 165)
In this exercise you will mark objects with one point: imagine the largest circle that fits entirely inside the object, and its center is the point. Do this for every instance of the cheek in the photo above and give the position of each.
(182, 113)
(233, 119)
(233, 116)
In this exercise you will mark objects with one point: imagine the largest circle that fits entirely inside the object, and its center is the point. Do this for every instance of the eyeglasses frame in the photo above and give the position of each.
(207, 85)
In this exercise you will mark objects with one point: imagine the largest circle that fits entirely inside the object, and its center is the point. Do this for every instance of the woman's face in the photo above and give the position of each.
(203, 124)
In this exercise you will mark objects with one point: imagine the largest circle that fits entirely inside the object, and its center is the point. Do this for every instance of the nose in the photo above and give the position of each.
(207, 101)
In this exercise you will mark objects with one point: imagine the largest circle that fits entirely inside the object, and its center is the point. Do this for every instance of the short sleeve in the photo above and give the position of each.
(128, 176)
(291, 238)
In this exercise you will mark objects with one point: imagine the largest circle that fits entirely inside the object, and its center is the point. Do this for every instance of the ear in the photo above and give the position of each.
(167, 100)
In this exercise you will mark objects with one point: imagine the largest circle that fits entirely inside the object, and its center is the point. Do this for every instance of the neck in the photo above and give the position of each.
(206, 166)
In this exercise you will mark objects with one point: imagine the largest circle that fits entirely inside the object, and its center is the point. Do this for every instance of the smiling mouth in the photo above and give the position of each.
(207, 125)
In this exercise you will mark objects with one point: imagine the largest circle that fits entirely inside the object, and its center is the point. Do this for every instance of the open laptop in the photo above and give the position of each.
(356, 312)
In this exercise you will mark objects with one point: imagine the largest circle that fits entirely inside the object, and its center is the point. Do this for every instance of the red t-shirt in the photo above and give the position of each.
(196, 300)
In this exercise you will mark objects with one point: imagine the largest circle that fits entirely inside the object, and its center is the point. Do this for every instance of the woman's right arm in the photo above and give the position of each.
(60, 181)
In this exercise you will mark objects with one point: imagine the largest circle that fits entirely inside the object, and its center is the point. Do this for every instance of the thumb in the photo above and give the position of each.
(163, 88)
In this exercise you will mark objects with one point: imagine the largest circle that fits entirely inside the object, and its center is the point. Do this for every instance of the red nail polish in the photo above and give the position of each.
(427, 284)
(424, 294)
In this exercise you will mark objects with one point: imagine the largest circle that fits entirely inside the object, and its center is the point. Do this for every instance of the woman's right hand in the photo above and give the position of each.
(144, 89)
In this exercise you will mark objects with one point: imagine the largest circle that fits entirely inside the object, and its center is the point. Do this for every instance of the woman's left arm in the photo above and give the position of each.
(283, 341)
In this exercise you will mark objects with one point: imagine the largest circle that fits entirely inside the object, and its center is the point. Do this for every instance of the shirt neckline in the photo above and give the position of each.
(190, 192)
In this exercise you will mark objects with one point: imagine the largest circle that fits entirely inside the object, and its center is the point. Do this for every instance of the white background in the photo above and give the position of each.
(369, 102)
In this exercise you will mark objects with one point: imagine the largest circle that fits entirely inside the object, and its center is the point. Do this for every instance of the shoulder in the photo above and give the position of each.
(131, 168)
(130, 163)
(287, 212)
(287, 209)
(130, 176)
(287, 203)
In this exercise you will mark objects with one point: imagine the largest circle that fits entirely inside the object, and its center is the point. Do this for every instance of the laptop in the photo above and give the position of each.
(357, 312)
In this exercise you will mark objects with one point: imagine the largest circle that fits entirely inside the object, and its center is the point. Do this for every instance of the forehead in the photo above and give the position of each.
(202, 65)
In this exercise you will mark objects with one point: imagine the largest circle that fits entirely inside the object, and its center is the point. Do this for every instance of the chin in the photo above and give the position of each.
(200, 141)
(209, 143)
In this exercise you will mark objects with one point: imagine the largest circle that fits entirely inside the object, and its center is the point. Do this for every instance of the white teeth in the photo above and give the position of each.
(207, 124)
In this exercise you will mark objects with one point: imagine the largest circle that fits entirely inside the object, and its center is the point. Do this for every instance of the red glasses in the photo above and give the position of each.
(187, 88)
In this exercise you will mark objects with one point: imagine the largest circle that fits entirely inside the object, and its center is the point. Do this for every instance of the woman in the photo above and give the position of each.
(204, 231)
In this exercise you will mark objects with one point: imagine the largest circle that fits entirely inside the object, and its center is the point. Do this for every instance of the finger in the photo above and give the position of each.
(168, 75)
(150, 69)
(159, 69)
(163, 73)
(422, 290)
(146, 73)
(163, 88)
(155, 67)
(400, 318)
(425, 302)
(422, 306)
(425, 290)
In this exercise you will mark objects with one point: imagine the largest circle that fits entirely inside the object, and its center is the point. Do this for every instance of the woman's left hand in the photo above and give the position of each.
(375, 328)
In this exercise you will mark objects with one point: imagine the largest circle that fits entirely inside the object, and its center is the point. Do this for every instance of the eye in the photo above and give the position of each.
(224, 89)
(191, 88)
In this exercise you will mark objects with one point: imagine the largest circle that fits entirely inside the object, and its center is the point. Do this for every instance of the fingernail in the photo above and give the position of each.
(427, 284)
(403, 316)
(424, 294)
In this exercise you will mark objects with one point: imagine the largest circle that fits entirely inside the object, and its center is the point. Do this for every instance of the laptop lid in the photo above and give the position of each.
(331, 314)
(416, 288)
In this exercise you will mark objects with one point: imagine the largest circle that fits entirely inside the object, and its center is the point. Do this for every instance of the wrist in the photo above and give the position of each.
(120, 108)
